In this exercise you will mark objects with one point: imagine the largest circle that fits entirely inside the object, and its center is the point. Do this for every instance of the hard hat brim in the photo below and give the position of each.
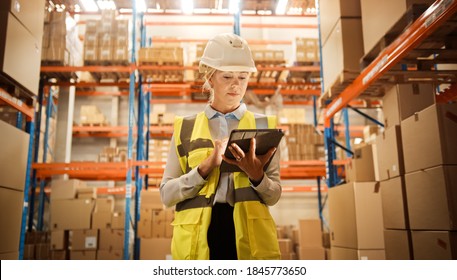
(234, 68)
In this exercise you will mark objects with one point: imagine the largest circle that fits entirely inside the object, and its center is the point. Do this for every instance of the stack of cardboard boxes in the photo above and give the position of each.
(113, 154)
(21, 35)
(303, 143)
(305, 242)
(154, 227)
(355, 211)
(162, 55)
(342, 41)
(378, 19)
(13, 163)
(91, 115)
(423, 220)
(61, 43)
(307, 50)
(84, 227)
(267, 58)
(106, 41)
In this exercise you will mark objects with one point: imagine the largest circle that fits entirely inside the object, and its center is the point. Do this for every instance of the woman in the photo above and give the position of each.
(221, 215)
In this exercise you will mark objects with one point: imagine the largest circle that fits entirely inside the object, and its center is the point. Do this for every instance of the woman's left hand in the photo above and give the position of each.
(249, 162)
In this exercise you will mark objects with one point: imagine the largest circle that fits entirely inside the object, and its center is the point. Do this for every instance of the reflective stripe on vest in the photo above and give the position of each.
(200, 201)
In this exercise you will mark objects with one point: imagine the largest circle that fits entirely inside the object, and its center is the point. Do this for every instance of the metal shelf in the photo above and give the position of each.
(410, 46)
(423, 27)
(116, 171)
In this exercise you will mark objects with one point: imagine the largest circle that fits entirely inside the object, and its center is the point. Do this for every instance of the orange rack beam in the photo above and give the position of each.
(17, 104)
(119, 131)
(117, 170)
(430, 20)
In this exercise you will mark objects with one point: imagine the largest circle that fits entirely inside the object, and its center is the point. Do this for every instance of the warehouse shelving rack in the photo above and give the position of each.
(423, 27)
(124, 171)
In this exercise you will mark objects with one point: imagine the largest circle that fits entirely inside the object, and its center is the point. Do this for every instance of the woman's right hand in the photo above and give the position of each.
(214, 159)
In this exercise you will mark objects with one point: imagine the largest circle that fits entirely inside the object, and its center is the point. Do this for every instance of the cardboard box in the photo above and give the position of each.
(29, 252)
(403, 100)
(144, 229)
(355, 213)
(71, 214)
(83, 255)
(14, 149)
(9, 256)
(378, 19)
(111, 239)
(42, 251)
(35, 237)
(169, 217)
(432, 198)
(11, 202)
(434, 245)
(285, 245)
(104, 204)
(101, 220)
(155, 248)
(326, 239)
(429, 137)
(394, 203)
(310, 253)
(338, 253)
(289, 256)
(118, 220)
(86, 239)
(20, 48)
(86, 193)
(361, 167)
(59, 255)
(110, 255)
(342, 51)
(150, 199)
(310, 233)
(29, 13)
(389, 151)
(59, 239)
(158, 224)
(65, 189)
(398, 244)
(332, 10)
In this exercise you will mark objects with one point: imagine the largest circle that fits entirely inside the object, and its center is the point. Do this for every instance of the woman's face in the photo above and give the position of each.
(229, 89)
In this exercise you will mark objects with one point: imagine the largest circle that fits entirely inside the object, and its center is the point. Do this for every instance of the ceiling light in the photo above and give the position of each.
(234, 6)
(187, 6)
(281, 7)
(89, 5)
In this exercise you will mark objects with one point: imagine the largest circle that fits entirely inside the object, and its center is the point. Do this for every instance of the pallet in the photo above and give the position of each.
(344, 80)
(87, 124)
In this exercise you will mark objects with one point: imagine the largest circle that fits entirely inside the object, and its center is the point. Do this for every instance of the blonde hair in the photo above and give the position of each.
(207, 85)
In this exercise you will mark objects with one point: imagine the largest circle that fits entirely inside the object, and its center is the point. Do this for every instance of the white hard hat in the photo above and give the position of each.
(227, 52)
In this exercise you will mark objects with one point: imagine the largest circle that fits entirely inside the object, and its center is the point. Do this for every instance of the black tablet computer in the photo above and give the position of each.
(265, 140)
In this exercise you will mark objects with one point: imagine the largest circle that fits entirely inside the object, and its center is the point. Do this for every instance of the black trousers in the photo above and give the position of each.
(221, 233)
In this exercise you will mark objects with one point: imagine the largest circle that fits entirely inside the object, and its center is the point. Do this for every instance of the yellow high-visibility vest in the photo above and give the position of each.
(255, 229)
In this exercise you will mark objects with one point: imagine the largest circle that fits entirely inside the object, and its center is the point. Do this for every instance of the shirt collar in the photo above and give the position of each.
(236, 114)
